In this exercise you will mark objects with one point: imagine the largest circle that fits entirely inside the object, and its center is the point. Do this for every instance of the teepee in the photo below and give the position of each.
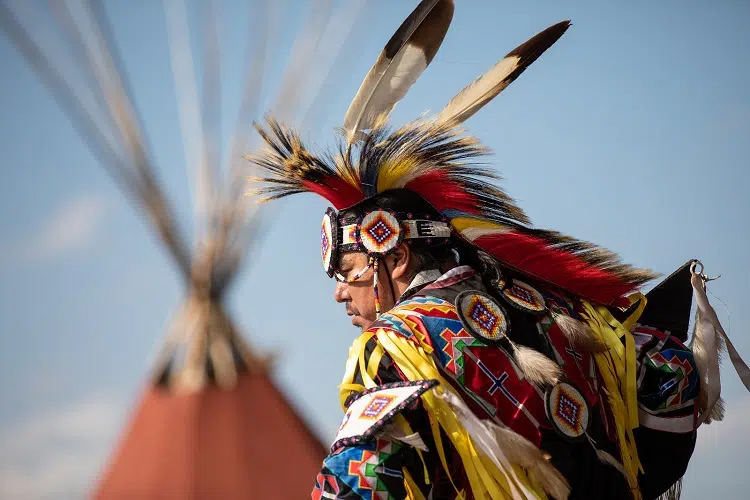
(210, 423)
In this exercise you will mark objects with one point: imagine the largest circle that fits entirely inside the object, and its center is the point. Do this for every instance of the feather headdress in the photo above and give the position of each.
(436, 160)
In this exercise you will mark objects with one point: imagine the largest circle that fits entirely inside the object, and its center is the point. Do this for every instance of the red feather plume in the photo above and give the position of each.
(443, 192)
(535, 256)
(337, 191)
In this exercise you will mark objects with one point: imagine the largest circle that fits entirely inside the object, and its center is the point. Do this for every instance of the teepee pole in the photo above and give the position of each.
(68, 99)
(191, 123)
(335, 34)
(256, 54)
(202, 338)
(211, 110)
(287, 99)
(134, 174)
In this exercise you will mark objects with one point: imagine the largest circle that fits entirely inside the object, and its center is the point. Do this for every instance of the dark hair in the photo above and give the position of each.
(396, 200)
(426, 256)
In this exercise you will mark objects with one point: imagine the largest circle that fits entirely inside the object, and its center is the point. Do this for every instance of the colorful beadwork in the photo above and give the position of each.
(359, 471)
(668, 381)
(482, 316)
(373, 409)
(376, 266)
(376, 407)
(328, 486)
(380, 232)
(524, 297)
(567, 410)
(370, 263)
(328, 243)
(484, 372)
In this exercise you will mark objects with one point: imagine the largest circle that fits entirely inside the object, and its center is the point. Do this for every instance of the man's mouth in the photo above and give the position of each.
(354, 315)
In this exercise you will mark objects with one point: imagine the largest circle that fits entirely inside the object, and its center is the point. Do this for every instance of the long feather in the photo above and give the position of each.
(489, 85)
(404, 58)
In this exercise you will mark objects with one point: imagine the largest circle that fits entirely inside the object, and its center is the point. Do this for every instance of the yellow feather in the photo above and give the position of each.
(391, 173)
(463, 223)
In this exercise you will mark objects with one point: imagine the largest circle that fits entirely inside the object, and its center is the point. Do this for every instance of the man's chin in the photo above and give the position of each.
(361, 323)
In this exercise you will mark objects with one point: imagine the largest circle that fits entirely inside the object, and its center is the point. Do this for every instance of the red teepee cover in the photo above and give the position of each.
(242, 443)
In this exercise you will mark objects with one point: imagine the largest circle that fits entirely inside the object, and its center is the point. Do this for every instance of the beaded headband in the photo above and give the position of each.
(378, 233)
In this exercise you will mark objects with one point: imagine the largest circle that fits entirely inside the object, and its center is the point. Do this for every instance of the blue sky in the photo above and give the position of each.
(633, 132)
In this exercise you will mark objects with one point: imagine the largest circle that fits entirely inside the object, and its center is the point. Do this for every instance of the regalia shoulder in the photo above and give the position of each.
(370, 413)
(405, 320)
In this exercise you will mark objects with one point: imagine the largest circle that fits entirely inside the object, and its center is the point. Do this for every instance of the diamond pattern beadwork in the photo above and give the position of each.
(379, 232)
(482, 317)
(328, 241)
(524, 297)
(568, 410)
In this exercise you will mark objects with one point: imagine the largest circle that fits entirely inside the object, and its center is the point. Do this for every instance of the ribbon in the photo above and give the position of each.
(711, 331)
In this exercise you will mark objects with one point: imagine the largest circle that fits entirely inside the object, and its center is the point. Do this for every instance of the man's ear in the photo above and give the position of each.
(401, 257)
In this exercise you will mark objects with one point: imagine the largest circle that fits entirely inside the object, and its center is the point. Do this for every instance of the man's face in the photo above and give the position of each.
(359, 296)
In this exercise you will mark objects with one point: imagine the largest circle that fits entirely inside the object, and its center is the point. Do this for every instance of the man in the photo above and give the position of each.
(495, 360)
(423, 280)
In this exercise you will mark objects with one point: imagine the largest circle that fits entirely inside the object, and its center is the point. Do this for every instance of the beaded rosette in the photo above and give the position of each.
(377, 233)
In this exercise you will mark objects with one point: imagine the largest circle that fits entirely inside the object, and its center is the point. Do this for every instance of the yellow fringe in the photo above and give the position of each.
(412, 490)
(617, 367)
(347, 385)
(414, 360)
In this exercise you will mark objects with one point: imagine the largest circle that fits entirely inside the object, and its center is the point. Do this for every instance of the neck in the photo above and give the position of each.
(421, 279)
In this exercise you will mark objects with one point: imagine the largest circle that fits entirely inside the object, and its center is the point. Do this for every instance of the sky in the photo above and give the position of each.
(633, 132)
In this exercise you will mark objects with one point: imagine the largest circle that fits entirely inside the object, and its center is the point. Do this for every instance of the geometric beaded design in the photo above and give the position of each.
(376, 407)
(568, 411)
(485, 319)
(328, 243)
(370, 411)
(379, 232)
(481, 316)
(524, 297)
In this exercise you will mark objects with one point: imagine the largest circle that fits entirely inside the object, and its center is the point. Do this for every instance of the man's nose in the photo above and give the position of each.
(341, 292)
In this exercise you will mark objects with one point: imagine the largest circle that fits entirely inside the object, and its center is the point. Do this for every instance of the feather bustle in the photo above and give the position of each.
(575, 266)
(439, 163)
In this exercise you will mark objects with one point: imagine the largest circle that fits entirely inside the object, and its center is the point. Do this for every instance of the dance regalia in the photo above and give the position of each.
(536, 371)
(571, 421)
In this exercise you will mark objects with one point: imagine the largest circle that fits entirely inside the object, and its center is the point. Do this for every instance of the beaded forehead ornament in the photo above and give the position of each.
(377, 233)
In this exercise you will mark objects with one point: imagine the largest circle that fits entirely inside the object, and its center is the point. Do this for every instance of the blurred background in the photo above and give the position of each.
(633, 131)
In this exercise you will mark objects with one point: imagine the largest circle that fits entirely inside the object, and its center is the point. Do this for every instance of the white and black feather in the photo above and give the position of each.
(489, 85)
(404, 58)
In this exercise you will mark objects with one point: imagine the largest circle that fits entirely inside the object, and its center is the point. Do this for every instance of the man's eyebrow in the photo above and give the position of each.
(343, 261)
